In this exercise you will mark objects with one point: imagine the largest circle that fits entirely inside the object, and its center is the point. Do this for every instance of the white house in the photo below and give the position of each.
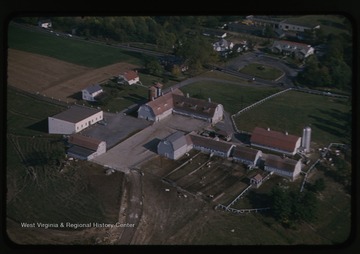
(175, 145)
(85, 148)
(89, 93)
(130, 77)
(275, 141)
(246, 155)
(175, 102)
(73, 120)
(298, 50)
(211, 146)
(284, 167)
(256, 180)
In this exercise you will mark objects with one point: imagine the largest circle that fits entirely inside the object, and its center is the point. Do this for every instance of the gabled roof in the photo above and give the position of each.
(285, 164)
(298, 45)
(195, 106)
(130, 75)
(274, 139)
(76, 113)
(177, 139)
(210, 143)
(164, 102)
(85, 142)
(93, 89)
(257, 177)
(245, 153)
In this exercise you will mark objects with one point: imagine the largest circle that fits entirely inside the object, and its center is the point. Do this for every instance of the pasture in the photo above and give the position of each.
(292, 111)
(261, 71)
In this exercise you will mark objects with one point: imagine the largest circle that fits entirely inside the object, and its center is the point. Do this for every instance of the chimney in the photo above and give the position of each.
(209, 99)
(187, 95)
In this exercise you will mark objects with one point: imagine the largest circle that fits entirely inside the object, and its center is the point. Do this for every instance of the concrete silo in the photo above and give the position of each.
(306, 139)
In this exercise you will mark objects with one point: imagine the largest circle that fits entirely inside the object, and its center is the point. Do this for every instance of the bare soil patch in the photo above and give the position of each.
(55, 78)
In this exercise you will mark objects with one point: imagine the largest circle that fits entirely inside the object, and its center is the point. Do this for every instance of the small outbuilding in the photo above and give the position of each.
(85, 148)
(89, 93)
(130, 77)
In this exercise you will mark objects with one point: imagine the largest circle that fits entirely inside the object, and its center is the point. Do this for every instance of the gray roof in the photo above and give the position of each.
(285, 164)
(76, 114)
(177, 139)
(93, 88)
(211, 144)
(245, 153)
(79, 151)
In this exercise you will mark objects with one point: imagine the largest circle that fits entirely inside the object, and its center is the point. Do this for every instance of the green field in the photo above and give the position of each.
(79, 52)
(36, 190)
(233, 97)
(292, 111)
(261, 71)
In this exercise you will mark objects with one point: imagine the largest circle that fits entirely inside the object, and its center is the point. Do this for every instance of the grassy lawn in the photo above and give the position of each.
(28, 116)
(261, 71)
(292, 111)
(79, 52)
(233, 97)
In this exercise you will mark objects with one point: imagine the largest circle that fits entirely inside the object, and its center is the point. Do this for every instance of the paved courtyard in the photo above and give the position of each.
(142, 146)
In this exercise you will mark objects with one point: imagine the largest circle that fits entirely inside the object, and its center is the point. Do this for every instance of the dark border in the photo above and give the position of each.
(108, 8)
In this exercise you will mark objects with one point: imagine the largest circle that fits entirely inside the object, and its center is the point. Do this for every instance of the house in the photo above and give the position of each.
(284, 167)
(275, 141)
(85, 148)
(256, 180)
(246, 155)
(130, 77)
(89, 93)
(175, 145)
(223, 45)
(175, 102)
(45, 23)
(73, 120)
(211, 146)
(296, 49)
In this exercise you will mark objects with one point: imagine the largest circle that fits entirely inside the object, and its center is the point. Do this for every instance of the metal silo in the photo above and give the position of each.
(306, 139)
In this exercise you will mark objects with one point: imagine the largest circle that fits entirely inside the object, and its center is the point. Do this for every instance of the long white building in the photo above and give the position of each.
(74, 120)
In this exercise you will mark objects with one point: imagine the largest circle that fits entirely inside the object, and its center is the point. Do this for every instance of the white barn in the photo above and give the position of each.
(284, 167)
(275, 141)
(175, 102)
(74, 120)
(246, 155)
(85, 148)
(207, 145)
(175, 145)
(89, 93)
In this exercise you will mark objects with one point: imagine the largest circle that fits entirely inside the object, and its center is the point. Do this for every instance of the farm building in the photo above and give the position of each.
(175, 102)
(45, 23)
(298, 50)
(275, 141)
(207, 145)
(74, 119)
(223, 45)
(175, 145)
(89, 93)
(129, 77)
(246, 155)
(256, 180)
(85, 148)
(283, 166)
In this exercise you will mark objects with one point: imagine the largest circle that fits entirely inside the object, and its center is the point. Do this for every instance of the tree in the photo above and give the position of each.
(154, 68)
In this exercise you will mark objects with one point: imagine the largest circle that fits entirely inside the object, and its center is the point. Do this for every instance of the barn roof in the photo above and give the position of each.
(194, 105)
(285, 164)
(177, 139)
(130, 75)
(76, 113)
(274, 139)
(164, 102)
(257, 177)
(211, 144)
(85, 142)
(93, 88)
(246, 153)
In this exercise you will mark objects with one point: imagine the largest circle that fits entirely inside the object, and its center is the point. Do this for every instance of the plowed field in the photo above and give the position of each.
(55, 78)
